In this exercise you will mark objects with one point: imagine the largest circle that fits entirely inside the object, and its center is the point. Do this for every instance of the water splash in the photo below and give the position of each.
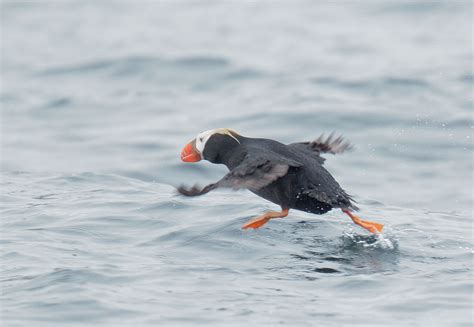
(385, 241)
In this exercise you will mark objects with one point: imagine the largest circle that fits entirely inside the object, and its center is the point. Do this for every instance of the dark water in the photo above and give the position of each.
(99, 97)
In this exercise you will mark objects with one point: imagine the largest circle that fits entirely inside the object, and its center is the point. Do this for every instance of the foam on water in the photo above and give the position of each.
(379, 241)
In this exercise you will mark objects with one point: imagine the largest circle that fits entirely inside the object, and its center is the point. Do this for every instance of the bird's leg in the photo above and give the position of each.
(263, 219)
(368, 225)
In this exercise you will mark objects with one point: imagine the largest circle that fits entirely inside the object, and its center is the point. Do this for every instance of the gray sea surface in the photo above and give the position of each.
(98, 98)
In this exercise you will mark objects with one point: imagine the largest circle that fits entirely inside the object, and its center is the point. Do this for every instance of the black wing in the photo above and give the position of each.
(254, 172)
(330, 144)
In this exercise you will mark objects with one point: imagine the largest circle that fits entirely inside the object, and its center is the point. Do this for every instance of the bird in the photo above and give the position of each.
(289, 175)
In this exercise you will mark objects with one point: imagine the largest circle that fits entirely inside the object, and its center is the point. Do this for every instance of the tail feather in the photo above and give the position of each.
(331, 144)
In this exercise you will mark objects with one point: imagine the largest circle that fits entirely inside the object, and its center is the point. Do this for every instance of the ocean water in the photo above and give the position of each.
(98, 97)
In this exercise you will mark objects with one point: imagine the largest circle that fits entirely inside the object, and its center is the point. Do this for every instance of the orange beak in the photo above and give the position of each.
(189, 154)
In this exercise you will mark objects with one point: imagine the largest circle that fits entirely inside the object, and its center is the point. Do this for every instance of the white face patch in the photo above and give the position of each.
(202, 138)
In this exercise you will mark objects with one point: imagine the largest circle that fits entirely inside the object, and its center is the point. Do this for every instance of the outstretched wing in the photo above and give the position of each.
(253, 173)
(330, 144)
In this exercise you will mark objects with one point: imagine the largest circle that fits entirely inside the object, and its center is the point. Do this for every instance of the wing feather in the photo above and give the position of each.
(253, 173)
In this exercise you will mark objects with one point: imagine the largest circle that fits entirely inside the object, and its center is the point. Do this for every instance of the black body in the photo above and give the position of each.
(291, 176)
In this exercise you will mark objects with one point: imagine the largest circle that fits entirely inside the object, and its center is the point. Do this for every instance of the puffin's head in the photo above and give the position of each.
(209, 145)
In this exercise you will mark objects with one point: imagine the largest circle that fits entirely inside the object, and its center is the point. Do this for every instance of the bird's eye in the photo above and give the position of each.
(200, 139)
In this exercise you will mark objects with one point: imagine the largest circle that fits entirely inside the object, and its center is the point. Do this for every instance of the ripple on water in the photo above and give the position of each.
(93, 232)
(191, 70)
(182, 244)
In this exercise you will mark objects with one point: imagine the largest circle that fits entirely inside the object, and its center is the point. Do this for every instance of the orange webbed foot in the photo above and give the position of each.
(255, 223)
(370, 226)
(263, 219)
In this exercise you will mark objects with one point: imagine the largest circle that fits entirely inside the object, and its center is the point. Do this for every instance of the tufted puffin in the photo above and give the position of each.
(291, 176)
